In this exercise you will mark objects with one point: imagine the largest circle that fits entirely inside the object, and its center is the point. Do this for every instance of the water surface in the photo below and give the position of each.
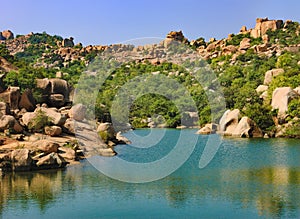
(247, 178)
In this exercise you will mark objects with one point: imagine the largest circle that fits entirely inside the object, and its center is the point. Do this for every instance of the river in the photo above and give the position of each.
(247, 178)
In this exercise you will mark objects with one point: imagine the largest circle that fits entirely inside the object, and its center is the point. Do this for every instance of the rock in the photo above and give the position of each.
(67, 153)
(46, 146)
(264, 96)
(247, 128)
(56, 117)
(53, 131)
(263, 25)
(50, 161)
(11, 96)
(176, 35)
(107, 152)
(7, 34)
(8, 122)
(69, 126)
(280, 99)
(122, 139)
(106, 131)
(4, 109)
(272, 73)
(68, 42)
(266, 135)
(21, 160)
(77, 112)
(243, 29)
(204, 131)
(27, 100)
(229, 50)
(229, 121)
(213, 127)
(57, 100)
(27, 117)
(261, 88)
(245, 44)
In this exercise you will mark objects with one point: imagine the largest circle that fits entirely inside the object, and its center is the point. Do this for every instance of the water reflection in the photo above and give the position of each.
(270, 187)
(273, 191)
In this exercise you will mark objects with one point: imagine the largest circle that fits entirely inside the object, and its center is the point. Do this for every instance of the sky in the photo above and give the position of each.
(104, 22)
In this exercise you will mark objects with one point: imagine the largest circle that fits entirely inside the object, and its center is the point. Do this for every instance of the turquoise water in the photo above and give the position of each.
(247, 178)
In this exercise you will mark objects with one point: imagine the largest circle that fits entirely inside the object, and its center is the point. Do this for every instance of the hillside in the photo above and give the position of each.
(258, 70)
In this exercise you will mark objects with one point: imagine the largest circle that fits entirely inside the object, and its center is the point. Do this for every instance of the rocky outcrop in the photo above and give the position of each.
(247, 128)
(263, 25)
(229, 121)
(280, 99)
(269, 75)
(7, 35)
(245, 44)
(68, 42)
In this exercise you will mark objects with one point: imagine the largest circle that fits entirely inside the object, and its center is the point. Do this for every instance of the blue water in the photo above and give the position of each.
(247, 178)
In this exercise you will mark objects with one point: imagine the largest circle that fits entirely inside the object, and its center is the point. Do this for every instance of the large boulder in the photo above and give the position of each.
(263, 25)
(27, 100)
(281, 98)
(53, 114)
(7, 34)
(27, 117)
(77, 112)
(269, 75)
(106, 131)
(68, 42)
(9, 122)
(53, 131)
(11, 96)
(229, 121)
(46, 146)
(21, 160)
(245, 44)
(247, 128)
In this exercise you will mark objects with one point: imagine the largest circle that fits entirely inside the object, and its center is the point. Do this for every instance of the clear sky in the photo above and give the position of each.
(112, 21)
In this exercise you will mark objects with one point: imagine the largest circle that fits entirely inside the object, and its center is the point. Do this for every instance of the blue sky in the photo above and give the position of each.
(112, 21)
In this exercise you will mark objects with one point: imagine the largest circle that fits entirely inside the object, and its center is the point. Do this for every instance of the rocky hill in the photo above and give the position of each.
(258, 69)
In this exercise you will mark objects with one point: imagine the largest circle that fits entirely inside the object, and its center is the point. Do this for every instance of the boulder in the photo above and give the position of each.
(7, 34)
(229, 50)
(69, 126)
(281, 97)
(46, 146)
(11, 96)
(245, 44)
(263, 25)
(50, 161)
(21, 160)
(4, 109)
(53, 114)
(77, 112)
(204, 131)
(122, 139)
(247, 128)
(53, 131)
(229, 121)
(8, 122)
(67, 153)
(272, 73)
(107, 129)
(107, 152)
(68, 42)
(26, 118)
(261, 88)
(56, 100)
(27, 100)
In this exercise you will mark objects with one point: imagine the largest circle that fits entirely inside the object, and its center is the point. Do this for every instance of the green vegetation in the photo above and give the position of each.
(39, 122)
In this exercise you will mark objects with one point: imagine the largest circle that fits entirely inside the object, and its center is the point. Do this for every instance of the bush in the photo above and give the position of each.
(39, 122)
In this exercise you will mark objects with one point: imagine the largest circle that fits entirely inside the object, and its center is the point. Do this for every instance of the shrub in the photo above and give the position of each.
(39, 122)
